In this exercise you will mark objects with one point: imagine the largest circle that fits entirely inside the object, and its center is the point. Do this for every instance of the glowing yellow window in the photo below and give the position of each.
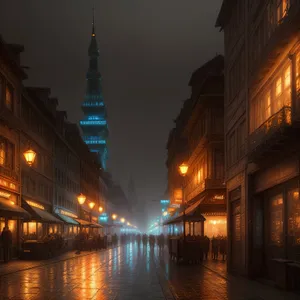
(2, 154)
(278, 86)
(268, 105)
(287, 77)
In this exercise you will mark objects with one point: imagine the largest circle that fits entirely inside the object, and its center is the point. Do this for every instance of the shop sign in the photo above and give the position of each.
(175, 205)
(34, 204)
(67, 213)
(4, 194)
(218, 197)
(178, 196)
(8, 184)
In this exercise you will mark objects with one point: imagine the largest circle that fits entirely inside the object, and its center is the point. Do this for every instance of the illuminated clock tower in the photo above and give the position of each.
(94, 125)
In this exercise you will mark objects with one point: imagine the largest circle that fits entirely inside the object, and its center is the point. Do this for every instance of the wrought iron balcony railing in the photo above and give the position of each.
(275, 124)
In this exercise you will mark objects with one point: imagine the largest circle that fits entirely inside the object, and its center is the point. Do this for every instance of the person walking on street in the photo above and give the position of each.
(6, 238)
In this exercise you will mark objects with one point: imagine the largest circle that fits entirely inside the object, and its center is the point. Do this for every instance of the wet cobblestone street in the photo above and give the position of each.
(130, 272)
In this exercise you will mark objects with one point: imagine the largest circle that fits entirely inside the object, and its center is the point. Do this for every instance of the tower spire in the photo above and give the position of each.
(93, 30)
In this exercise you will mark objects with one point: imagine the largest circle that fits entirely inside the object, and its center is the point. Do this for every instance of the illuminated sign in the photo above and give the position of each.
(33, 204)
(175, 205)
(218, 197)
(4, 194)
(103, 122)
(164, 201)
(178, 195)
(67, 213)
(7, 184)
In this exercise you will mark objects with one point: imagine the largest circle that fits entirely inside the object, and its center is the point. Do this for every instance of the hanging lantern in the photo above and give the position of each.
(30, 156)
(183, 169)
(100, 209)
(81, 198)
(91, 205)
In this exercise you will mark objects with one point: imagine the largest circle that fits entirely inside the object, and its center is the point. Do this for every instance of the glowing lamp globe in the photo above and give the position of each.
(100, 209)
(128, 224)
(122, 220)
(91, 205)
(165, 213)
(30, 156)
(183, 169)
(114, 216)
(81, 198)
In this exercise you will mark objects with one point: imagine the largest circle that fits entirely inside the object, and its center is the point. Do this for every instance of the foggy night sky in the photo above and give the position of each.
(148, 51)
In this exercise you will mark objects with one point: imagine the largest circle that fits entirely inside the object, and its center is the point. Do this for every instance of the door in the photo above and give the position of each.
(236, 247)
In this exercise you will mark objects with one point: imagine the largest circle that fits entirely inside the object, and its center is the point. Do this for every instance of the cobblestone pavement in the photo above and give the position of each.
(133, 273)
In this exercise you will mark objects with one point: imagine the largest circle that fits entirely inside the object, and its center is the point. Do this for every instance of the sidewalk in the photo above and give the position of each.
(22, 265)
(217, 266)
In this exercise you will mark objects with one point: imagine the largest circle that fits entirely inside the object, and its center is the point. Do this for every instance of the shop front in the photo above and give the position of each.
(276, 225)
(10, 215)
(42, 231)
(71, 227)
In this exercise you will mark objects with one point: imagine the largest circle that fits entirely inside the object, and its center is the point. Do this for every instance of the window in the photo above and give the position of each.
(6, 153)
(219, 164)
(278, 87)
(9, 97)
(276, 220)
(282, 9)
(241, 139)
(268, 105)
(2, 153)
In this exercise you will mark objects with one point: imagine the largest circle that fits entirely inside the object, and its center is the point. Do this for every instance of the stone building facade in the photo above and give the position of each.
(262, 67)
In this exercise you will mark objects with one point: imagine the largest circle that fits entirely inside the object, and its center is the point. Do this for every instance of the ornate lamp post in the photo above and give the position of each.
(81, 198)
(29, 156)
(183, 169)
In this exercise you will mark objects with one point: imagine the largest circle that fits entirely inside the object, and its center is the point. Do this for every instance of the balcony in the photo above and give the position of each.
(285, 31)
(272, 136)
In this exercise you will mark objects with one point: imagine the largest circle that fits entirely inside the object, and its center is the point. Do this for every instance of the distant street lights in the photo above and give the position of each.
(183, 169)
(81, 198)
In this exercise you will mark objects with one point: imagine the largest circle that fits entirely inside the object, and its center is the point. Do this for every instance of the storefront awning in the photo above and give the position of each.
(44, 216)
(192, 214)
(83, 222)
(93, 224)
(10, 210)
(67, 219)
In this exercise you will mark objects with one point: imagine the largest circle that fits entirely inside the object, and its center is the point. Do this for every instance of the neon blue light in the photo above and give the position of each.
(92, 104)
(91, 118)
(100, 142)
(103, 122)
(164, 201)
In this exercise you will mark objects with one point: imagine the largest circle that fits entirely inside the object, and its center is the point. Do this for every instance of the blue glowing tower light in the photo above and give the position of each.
(94, 124)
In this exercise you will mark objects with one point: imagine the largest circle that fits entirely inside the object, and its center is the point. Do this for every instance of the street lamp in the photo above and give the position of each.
(81, 198)
(100, 209)
(30, 156)
(183, 169)
(91, 205)
(122, 220)
(128, 224)
(114, 216)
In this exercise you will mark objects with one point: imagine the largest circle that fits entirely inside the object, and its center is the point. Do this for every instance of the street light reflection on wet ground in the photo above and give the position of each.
(129, 272)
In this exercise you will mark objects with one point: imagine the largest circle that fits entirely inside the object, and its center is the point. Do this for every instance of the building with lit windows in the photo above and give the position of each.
(94, 124)
(262, 115)
(198, 141)
(11, 76)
